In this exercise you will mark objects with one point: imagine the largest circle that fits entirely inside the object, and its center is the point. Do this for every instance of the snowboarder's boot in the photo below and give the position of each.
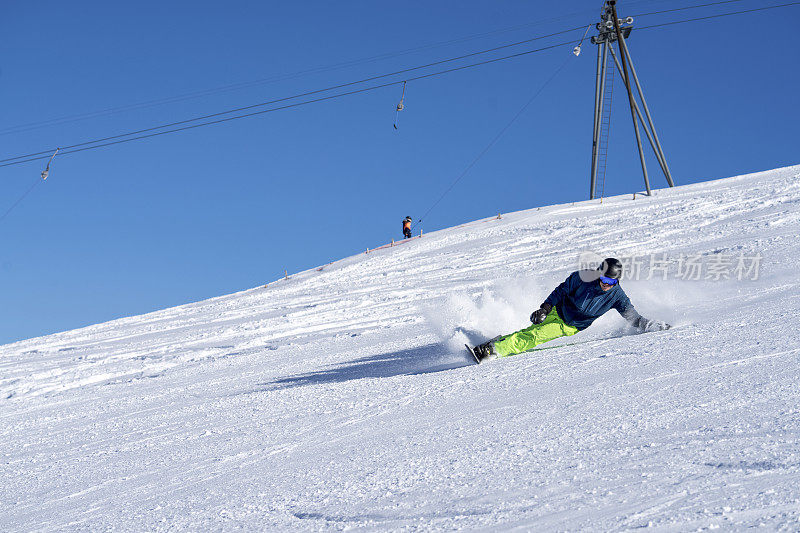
(483, 351)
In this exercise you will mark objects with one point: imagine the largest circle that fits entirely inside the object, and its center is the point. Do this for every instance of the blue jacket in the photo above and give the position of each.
(579, 303)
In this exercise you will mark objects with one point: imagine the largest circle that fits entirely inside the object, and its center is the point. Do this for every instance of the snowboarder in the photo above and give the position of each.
(407, 227)
(583, 297)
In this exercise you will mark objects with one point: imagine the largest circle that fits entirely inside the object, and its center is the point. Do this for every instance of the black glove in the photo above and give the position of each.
(538, 316)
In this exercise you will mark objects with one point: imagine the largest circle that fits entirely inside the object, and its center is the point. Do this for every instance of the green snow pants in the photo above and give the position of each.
(525, 339)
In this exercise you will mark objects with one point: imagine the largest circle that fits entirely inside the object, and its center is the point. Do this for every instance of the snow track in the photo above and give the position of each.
(343, 398)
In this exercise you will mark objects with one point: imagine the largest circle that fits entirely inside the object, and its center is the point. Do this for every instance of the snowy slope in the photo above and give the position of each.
(341, 398)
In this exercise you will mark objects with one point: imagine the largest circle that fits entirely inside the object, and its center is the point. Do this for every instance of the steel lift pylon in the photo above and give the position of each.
(614, 30)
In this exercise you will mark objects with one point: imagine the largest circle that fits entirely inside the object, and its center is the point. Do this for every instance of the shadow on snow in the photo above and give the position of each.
(422, 360)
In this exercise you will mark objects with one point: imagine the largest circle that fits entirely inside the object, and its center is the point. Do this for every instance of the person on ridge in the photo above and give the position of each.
(407, 227)
(583, 297)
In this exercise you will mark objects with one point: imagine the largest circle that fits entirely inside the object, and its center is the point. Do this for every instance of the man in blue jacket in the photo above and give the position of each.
(583, 297)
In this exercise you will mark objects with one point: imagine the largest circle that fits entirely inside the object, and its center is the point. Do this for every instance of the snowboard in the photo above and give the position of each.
(472, 353)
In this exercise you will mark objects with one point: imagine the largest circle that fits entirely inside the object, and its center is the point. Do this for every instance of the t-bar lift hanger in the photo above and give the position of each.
(399, 106)
(46, 171)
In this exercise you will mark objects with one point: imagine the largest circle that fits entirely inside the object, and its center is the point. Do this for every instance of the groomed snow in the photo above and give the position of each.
(343, 399)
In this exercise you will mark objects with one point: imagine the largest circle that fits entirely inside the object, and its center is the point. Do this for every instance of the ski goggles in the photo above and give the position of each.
(609, 281)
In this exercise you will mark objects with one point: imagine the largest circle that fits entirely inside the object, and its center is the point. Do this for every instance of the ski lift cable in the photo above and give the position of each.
(31, 157)
(246, 84)
(718, 15)
(296, 104)
(493, 141)
(242, 85)
(45, 172)
(300, 95)
(688, 7)
(33, 186)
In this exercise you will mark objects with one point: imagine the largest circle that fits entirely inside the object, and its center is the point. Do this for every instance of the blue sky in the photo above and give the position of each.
(145, 225)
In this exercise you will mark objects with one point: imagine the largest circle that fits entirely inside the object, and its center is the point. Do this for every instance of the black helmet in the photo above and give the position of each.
(611, 268)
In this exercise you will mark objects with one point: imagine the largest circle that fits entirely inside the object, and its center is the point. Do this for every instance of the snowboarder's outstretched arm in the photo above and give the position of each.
(644, 325)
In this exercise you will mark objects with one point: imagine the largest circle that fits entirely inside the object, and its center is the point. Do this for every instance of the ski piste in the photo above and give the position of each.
(256, 408)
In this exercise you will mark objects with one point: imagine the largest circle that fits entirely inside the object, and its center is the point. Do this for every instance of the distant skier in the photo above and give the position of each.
(407, 227)
(583, 297)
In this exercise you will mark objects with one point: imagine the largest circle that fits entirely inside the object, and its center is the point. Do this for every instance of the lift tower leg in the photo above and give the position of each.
(600, 87)
(650, 137)
(660, 150)
(613, 3)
